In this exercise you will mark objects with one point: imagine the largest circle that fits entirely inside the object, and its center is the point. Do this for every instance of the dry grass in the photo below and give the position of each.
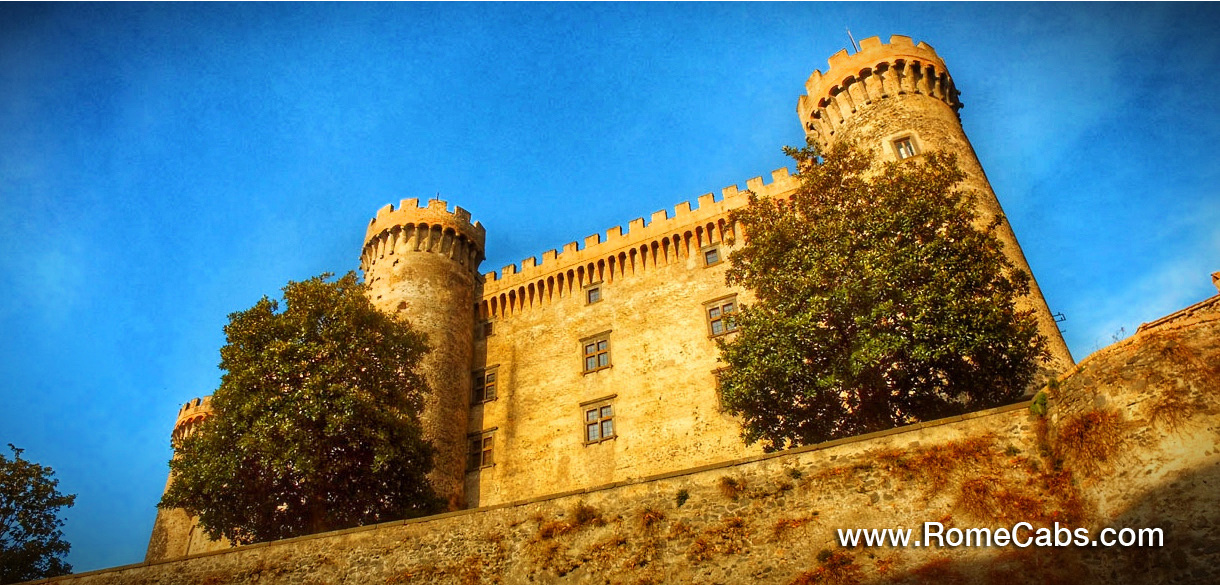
(731, 487)
(649, 518)
(579, 516)
(783, 525)
(1088, 442)
(990, 497)
(584, 514)
(725, 539)
(549, 530)
(680, 529)
(837, 568)
(935, 468)
(1194, 370)
(1171, 408)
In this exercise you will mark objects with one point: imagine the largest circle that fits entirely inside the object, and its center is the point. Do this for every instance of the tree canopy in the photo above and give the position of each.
(31, 543)
(316, 422)
(880, 302)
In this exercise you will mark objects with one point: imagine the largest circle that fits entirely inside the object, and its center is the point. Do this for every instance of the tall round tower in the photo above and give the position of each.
(898, 101)
(175, 533)
(422, 264)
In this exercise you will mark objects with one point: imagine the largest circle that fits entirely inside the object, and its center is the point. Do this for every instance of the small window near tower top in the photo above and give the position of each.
(904, 147)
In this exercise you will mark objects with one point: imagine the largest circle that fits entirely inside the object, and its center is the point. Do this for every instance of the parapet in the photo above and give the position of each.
(194, 410)
(190, 415)
(435, 213)
(877, 71)
(660, 224)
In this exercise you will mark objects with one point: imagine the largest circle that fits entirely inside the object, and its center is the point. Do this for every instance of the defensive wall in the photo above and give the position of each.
(1129, 440)
(597, 363)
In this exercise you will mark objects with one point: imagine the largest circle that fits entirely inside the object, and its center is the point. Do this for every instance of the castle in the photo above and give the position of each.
(596, 364)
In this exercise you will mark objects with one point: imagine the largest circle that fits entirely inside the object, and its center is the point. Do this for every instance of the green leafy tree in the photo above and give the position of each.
(316, 422)
(880, 302)
(31, 543)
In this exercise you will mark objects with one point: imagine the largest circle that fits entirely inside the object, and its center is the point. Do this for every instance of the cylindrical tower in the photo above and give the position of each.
(422, 264)
(898, 101)
(175, 533)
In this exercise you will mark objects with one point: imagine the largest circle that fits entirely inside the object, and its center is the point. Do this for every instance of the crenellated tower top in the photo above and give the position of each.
(433, 228)
(190, 416)
(877, 72)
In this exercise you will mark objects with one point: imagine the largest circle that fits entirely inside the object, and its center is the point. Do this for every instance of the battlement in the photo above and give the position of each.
(876, 72)
(190, 416)
(686, 221)
(195, 409)
(435, 212)
(433, 228)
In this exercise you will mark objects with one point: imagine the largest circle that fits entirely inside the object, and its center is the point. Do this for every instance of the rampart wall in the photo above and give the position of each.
(1130, 441)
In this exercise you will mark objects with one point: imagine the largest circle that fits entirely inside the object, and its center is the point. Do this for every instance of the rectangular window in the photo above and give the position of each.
(904, 147)
(599, 423)
(596, 352)
(480, 453)
(483, 388)
(486, 329)
(720, 315)
(711, 256)
(593, 294)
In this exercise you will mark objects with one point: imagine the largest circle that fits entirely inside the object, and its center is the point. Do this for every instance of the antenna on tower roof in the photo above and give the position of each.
(854, 46)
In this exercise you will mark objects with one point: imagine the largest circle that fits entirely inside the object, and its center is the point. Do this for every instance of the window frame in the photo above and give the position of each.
(485, 441)
(719, 304)
(911, 147)
(596, 342)
(598, 408)
(713, 248)
(486, 328)
(483, 373)
(591, 289)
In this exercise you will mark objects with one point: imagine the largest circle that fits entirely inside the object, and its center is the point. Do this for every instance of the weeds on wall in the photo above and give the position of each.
(1089, 441)
(649, 518)
(1177, 400)
(731, 487)
(1171, 408)
(724, 539)
(835, 568)
(579, 516)
(783, 525)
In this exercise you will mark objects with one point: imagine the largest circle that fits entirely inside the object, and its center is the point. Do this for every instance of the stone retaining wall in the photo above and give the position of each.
(1130, 440)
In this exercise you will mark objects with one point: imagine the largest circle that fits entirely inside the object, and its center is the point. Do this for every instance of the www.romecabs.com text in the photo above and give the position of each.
(1021, 534)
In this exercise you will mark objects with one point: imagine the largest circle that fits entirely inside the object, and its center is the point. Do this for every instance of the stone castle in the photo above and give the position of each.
(596, 364)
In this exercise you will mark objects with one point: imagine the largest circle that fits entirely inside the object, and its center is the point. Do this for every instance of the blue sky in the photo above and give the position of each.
(162, 166)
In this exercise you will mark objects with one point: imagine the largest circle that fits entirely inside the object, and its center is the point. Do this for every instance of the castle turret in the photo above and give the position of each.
(897, 100)
(422, 264)
(175, 533)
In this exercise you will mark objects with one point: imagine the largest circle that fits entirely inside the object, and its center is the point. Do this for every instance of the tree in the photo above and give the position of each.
(880, 302)
(316, 423)
(31, 544)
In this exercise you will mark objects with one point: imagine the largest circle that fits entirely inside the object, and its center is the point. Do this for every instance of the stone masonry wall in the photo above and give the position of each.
(655, 285)
(1130, 440)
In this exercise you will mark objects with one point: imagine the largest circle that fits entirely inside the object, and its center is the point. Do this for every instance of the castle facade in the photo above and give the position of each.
(597, 363)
